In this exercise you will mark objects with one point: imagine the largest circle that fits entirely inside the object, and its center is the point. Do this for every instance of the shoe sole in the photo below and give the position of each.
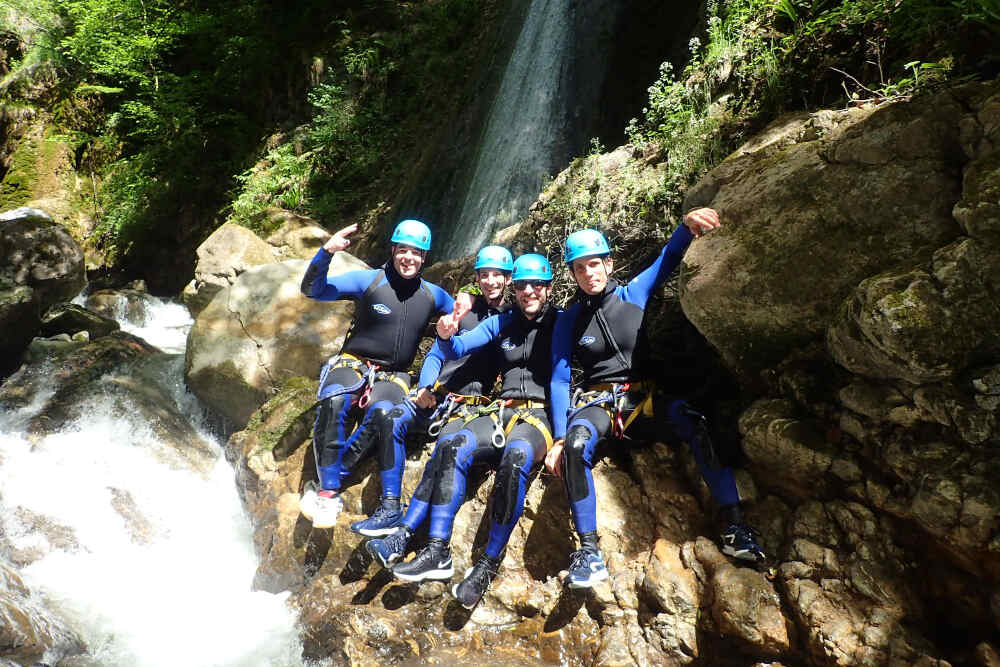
(432, 574)
(375, 532)
(742, 555)
(595, 578)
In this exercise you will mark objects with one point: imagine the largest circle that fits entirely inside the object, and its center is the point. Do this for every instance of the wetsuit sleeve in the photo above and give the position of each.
(653, 277)
(432, 367)
(460, 345)
(442, 300)
(317, 285)
(562, 352)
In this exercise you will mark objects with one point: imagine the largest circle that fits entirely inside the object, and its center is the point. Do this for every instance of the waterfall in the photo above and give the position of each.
(150, 562)
(527, 133)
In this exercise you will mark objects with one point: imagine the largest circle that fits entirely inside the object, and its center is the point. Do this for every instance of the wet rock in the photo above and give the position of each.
(119, 368)
(131, 305)
(70, 319)
(261, 331)
(30, 632)
(40, 265)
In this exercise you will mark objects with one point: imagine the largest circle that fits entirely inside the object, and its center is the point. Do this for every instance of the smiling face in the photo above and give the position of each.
(591, 273)
(407, 260)
(492, 282)
(531, 296)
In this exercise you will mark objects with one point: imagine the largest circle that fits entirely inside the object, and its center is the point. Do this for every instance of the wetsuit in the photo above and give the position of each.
(390, 316)
(606, 335)
(467, 379)
(512, 436)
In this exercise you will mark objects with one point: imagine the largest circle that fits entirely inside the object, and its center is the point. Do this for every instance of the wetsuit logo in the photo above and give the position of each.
(381, 308)
(507, 345)
(587, 340)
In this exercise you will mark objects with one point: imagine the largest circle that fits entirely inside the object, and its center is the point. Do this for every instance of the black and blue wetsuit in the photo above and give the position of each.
(524, 349)
(390, 316)
(606, 335)
(472, 375)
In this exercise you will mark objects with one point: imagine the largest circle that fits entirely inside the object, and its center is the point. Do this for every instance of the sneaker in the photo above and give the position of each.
(389, 549)
(432, 562)
(477, 581)
(382, 522)
(740, 541)
(586, 568)
(326, 509)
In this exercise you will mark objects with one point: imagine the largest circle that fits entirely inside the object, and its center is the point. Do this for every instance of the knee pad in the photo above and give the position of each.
(447, 456)
(365, 440)
(327, 420)
(428, 481)
(507, 488)
(575, 463)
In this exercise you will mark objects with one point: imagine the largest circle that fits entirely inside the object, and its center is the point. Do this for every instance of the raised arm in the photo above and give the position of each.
(697, 222)
(317, 285)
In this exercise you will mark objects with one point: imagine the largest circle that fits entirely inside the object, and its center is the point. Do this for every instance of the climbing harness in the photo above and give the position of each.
(455, 406)
(369, 374)
(613, 397)
(522, 412)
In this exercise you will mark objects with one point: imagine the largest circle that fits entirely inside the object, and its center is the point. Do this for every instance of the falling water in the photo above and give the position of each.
(526, 137)
(166, 582)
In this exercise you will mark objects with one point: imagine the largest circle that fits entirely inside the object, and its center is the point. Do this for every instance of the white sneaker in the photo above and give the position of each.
(307, 503)
(327, 509)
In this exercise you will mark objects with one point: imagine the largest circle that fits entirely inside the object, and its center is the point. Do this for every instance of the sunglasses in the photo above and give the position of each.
(521, 285)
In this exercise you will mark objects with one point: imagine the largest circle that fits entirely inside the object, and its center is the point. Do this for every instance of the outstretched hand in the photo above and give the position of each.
(339, 241)
(447, 325)
(702, 220)
(553, 460)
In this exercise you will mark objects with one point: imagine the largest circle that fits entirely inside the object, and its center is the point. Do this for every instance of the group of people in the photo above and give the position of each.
(531, 346)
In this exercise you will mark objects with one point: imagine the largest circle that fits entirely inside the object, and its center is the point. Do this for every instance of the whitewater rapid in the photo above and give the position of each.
(151, 563)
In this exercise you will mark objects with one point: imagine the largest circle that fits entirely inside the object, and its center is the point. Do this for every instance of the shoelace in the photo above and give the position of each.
(482, 574)
(381, 513)
(578, 559)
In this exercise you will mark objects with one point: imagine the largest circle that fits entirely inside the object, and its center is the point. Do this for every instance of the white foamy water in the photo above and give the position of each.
(149, 560)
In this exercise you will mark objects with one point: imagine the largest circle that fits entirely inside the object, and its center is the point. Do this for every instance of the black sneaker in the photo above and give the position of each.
(432, 562)
(740, 541)
(390, 548)
(477, 581)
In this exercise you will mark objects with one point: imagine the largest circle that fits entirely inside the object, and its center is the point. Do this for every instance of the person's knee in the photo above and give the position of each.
(577, 462)
(446, 464)
(514, 465)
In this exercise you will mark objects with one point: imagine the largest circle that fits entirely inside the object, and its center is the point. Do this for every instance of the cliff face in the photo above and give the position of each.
(853, 294)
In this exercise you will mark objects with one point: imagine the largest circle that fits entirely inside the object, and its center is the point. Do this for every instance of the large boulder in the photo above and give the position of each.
(228, 252)
(805, 222)
(260, 331)
(40, 265)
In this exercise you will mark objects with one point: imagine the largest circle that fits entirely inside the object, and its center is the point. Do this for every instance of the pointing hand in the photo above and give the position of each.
(339, 241)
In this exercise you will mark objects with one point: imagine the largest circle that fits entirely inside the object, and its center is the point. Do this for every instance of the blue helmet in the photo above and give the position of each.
(532, 267)
(414, 233)
(494, 257)
(585, 243)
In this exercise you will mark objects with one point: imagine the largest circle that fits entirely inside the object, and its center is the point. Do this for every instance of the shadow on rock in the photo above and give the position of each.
(371, 590)
(357, 564)
(569, 605)
(456, 616)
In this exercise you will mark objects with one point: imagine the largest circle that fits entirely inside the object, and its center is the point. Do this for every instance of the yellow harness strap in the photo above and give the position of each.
(528, 418)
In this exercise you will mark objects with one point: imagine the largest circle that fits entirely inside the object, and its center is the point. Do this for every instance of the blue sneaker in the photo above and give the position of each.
(586, 568)
(740, 541)
(382, 522)
(389, 549)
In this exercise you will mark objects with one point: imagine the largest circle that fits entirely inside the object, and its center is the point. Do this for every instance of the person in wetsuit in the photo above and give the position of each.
(512, 434)
(393, 307)
(604, 332)
(455, 388)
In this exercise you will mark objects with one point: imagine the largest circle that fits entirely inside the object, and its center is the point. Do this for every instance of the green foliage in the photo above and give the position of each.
(281, 179)
(761, 57)
(16, 187)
